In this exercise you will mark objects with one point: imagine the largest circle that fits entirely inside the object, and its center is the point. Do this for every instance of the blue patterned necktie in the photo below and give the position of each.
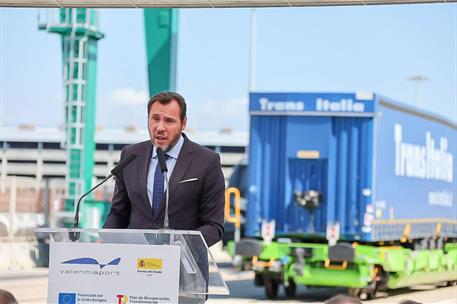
(158, 192)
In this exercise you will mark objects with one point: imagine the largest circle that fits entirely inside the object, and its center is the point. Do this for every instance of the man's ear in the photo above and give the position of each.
(184, 123)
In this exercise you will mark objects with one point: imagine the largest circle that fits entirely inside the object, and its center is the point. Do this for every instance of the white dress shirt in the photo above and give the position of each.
(171, 162)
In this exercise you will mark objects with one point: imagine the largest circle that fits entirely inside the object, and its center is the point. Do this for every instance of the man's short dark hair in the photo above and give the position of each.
(167, 97)
(7, 298)
(342, 299)
(409, 302)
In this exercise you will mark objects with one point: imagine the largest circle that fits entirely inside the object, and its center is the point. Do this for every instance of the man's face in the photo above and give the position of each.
(165, 125)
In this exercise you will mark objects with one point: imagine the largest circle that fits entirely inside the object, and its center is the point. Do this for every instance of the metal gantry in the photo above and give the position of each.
(161, 33)
(79, 33)
(78, 30)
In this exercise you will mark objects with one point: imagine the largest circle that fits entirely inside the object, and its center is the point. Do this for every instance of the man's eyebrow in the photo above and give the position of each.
(164, 116)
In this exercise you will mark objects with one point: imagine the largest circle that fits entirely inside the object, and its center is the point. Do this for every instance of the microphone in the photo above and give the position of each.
(122, 163)
(164, 169)
(74, 236)
(162, 162)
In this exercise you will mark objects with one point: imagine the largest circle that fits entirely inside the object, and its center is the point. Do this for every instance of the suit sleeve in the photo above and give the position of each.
(119, 215)
(211, 213)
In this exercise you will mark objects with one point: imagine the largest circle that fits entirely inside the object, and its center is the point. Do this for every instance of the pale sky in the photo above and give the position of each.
(327, 49)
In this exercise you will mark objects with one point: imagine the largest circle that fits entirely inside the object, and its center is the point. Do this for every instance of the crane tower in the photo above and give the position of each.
(79, 35)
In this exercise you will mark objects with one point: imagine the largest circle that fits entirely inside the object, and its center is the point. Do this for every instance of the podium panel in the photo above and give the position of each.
(130, 266)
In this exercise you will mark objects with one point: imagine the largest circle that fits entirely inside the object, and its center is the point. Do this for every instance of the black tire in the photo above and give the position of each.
(371, 294)
(291, 289)
(271, 288)
(354, 292)
(258, 280)
(370, 291)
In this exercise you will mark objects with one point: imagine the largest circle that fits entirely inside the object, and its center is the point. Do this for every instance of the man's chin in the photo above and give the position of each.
(166, 146)
(165, 149)
(163, 146)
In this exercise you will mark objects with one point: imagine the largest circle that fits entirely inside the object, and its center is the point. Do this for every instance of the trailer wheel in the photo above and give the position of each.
(271, 287)
(259, 280)
(291, 289)
(369, 292)
(354, 292)
(451, 283)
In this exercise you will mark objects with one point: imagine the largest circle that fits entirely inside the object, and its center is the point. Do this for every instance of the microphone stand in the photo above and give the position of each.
(167, 196)
(74, 236)
(163, 167)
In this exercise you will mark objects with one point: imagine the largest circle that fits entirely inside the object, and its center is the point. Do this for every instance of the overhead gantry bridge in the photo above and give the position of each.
(202, 3)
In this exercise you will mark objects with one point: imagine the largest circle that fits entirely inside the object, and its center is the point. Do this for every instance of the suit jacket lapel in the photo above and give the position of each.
(182, 164)
(143, 176)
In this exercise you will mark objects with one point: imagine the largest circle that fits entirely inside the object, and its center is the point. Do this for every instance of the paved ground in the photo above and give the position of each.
(30, 287)
(243, 291)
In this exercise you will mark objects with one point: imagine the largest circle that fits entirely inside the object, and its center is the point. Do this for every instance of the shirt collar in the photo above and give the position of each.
(174, 152)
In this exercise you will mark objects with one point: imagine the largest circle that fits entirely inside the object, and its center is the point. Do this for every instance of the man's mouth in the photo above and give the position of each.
(161, 138)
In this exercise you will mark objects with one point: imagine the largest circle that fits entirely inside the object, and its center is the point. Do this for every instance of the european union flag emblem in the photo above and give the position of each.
(67, 298)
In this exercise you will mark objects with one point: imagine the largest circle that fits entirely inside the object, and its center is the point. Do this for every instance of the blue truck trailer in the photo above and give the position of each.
(351, 190)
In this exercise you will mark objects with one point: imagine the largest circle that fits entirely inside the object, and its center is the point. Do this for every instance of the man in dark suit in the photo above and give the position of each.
(196, 181)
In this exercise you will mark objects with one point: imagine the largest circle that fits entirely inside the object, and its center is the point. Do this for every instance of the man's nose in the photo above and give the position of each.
(161, 125)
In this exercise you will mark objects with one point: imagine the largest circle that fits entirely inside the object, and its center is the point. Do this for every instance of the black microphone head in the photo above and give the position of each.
(122, 163)
(162, 162)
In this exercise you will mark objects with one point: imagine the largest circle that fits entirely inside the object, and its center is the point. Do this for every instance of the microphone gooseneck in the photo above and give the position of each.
(74, 236)
(164, 169)
(167, 197)
(162, 162)
(122, 163)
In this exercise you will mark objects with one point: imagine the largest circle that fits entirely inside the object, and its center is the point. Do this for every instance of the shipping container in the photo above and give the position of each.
(351, 190)
(372, 165)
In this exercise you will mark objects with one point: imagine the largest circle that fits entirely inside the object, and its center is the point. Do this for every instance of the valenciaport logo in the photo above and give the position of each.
(85, 266)
(91, 261)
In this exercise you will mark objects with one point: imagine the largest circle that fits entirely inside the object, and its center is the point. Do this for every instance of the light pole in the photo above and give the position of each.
(418, 79)
(252, 51)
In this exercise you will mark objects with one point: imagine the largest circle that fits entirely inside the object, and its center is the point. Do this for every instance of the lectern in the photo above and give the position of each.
(130, 266)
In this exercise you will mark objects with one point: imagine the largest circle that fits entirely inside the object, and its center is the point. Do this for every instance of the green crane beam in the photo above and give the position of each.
(161, 31)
